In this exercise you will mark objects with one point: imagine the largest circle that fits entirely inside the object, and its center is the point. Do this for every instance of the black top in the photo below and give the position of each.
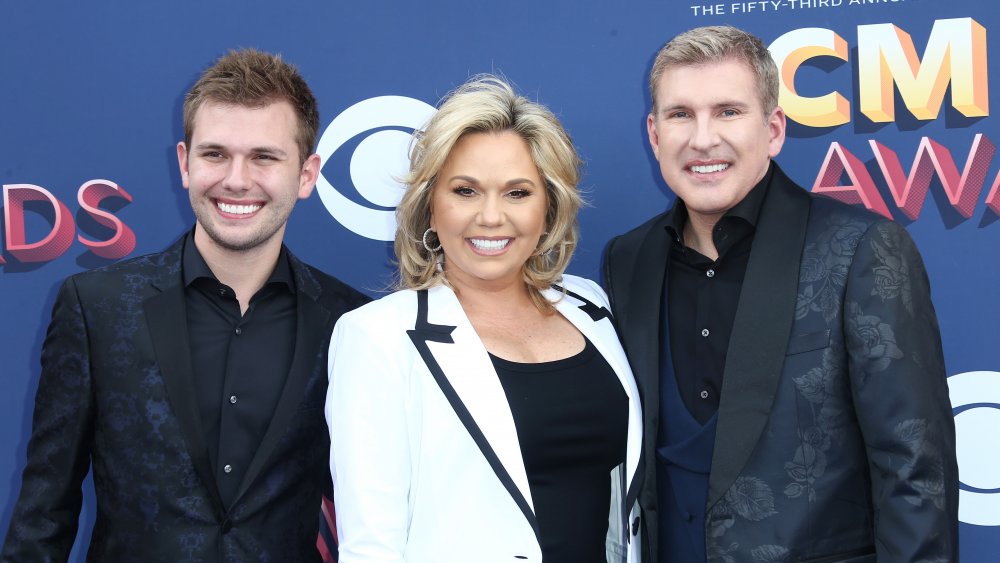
(572, 424)
(239, 362)
(702, 296)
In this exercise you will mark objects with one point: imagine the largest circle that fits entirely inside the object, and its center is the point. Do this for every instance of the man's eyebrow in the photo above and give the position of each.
(275, 151)
(666, 109)
(207, 146)
(738, 104)
(718, 104)
(732, 104)
(254, 150)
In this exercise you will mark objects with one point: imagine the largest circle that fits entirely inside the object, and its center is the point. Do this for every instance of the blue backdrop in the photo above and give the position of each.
(93, 91)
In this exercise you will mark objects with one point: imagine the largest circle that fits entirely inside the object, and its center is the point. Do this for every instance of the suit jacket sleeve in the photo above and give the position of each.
(45, 518)
(366, 409)
(608, 280)
(900, 391)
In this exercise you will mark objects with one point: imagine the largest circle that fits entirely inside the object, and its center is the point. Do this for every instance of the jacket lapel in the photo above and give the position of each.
(644, 310)
(760, 331)
(312, 317)
(643, 342)
(166, 320)
(460, 364)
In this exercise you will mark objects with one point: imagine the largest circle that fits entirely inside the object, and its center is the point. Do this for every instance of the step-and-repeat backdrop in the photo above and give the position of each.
(888, 103)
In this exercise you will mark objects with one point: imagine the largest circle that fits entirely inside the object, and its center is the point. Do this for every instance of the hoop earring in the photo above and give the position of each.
(427, 246)
(538, 249)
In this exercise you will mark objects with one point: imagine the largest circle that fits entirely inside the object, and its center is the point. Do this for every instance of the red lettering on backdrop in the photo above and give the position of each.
(91, 195)
(962, 191)
(862, 188)
(993, 199)
(909, 192)
(52, 245)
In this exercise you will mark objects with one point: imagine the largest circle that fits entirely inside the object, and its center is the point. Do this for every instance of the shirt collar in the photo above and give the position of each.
(194, 266)
(748, 209)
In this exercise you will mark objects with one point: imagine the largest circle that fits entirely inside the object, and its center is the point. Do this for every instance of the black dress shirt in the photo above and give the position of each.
(240, 362)
(702, 296)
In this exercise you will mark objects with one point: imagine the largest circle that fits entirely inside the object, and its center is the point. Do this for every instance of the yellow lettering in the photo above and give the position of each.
(789, 52)
(955, 54)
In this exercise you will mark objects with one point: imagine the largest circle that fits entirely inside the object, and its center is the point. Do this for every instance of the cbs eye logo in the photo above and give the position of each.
(975, 396)
(376, 161)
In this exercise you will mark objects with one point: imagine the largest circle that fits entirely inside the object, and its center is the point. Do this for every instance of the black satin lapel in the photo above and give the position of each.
(760, 331)
(424, 332)
(642, 329)
(639, 328)
(167, 323)
(643, 339)
(307, 362)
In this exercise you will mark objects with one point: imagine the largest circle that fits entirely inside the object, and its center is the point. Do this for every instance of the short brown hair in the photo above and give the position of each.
(254, 79)
(488, 104)
(718, 43)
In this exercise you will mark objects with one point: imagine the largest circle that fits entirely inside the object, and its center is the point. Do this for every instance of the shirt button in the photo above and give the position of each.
(222, 292)
(704, 394)
(239, 331)
(710, 273)
(232, 399)
(228, 468)
(704, 332)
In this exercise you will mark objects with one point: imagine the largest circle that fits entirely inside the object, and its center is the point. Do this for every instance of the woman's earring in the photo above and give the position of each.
(427, 245)
(538, 249)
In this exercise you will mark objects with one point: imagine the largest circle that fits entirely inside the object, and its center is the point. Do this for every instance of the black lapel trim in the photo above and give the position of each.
(166, 319)
(307, 362)
(632, 492)
(596, 313)
(423, 332)
(761, 329)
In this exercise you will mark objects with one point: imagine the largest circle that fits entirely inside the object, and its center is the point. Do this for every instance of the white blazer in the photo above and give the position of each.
(424, 453)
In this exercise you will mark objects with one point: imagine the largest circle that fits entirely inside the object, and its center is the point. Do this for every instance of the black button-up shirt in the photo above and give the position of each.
(702, 296)
(240, 361)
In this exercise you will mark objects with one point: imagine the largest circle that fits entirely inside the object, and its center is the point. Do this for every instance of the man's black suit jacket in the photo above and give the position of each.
(835, 436)
(116, 394)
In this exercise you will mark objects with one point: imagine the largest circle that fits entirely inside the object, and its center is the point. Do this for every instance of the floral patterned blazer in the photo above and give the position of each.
(116, 395)
(835, 436)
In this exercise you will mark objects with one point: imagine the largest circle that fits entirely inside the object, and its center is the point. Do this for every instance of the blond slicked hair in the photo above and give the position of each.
(716, 43)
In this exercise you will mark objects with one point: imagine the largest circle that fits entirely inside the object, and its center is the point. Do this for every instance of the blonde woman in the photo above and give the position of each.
(485, 411)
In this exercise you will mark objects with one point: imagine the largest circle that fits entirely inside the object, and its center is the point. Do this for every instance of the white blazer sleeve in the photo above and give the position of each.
(369, 452)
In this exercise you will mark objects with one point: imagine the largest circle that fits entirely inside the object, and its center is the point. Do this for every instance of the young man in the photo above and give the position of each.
(193, 380)
(785, 344)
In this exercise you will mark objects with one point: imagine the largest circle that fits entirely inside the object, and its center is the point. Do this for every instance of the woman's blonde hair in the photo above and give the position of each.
(488, 104)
